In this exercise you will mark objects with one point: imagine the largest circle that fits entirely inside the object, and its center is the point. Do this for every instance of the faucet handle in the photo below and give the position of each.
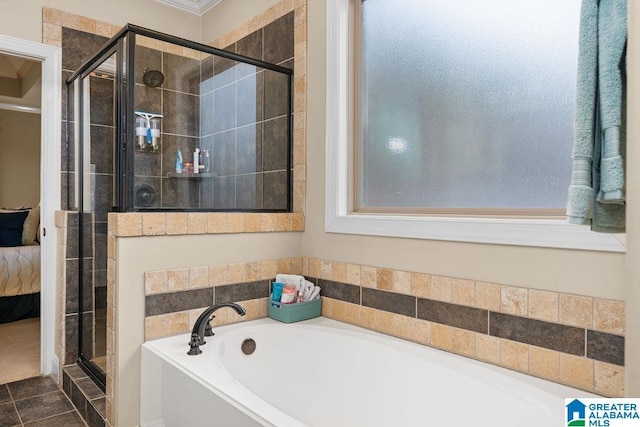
(194, 345)
(208, 331)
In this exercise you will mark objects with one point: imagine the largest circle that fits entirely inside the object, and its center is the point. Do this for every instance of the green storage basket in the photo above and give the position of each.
(289, 313)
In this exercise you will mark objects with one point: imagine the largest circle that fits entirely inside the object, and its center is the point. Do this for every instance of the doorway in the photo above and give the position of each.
(23, 54)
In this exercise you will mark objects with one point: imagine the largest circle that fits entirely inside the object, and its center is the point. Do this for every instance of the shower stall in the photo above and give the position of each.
(160, 123)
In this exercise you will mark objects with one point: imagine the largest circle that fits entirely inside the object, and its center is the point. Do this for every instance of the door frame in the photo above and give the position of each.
(50, 191)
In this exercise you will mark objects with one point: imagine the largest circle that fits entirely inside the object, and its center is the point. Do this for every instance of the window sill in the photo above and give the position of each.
(534, 233)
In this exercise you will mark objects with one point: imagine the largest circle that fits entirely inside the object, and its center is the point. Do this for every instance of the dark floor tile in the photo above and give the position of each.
(605, 347)
(340, 291)
(95, 409)
(566, 339)
(4, 394)
(389, 301)
(68, 419)
(242, 291)
(32, 387)
(458, 316)
(100, 405)
(8, 415)
(178, 301)
(43, 406)
(89, 388)
(74, 371)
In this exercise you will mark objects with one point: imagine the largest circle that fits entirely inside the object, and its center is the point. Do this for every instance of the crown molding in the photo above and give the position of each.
(197, 7)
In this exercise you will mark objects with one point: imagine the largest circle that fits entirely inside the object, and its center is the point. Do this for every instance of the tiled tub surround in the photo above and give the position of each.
(176, 297)
(570, 339)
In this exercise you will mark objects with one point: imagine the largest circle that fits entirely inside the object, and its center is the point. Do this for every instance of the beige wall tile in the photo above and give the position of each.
(51, 16)
(235, 223)
(284, 266)
(297, 222)
(269, 269)
(514, 300)
(267, 222)
(176, 223)
(544, 363)
(463, 292)
(153, 224)
(576, 310)
(608, 379)
(103, 29)
(385, 322)
(488, 348)
(441, 336)
(576, 371)
(197, 223)
(216, 223)
(463, 342)
(384, 279)
(51, 31)
(252, 223)
(218, 275)
(70, 20)
(253, 271)
(514, 355)
(441, 288)
(198, 277)
(178, 279)
(178, 323)
(296, 266)
(421, 285)
(327, 307)
(402, 282)
(283, 222)
(609, 316)
(353, 274)
(300, 120)
(368, 318)
(236, 273)
(488, 296)
(326, 270)
(338, 311)
(368, 277)
(129, 224)
(543, 305)
(156, 327)
(305, 266)
(155, 282)
(87, 25)
(352, 313)
(339, 272)
(314, 267)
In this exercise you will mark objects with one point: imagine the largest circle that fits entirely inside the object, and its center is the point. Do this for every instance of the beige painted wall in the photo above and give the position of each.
(141, 254)
(19, 159)
(23, 19)
(231, 14)
(632, 350)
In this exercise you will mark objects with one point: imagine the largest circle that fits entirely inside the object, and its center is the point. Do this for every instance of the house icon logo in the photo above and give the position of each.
(576, 413)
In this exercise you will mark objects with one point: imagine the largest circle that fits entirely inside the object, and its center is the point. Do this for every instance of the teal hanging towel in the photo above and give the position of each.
(597, 189)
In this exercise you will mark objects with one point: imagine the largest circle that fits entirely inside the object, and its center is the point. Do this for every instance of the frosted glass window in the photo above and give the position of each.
(466, 103)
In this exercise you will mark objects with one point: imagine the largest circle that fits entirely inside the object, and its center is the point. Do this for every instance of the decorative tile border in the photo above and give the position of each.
(570, 339)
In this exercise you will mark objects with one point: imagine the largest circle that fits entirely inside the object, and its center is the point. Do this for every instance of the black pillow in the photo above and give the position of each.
(11, 228)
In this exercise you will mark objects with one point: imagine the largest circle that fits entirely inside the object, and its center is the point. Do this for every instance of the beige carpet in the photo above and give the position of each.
(19, 350)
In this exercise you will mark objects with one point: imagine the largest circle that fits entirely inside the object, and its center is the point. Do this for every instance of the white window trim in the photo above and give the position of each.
(521, 232)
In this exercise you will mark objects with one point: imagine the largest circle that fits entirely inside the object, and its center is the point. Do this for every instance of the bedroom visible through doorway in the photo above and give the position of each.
(20, 192)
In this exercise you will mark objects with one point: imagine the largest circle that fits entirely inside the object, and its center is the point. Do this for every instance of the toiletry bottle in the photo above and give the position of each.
(179, 162)
(201, 166)
(196, 161)
(207, 162)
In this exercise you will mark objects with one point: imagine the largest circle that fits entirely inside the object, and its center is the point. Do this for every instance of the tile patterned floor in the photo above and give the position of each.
(36, 402)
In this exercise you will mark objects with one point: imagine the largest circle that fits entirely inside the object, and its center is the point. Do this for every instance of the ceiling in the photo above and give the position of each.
(20, 83)
(197, 7)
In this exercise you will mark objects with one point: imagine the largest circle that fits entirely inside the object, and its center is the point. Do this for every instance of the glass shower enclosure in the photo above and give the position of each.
(160, 123)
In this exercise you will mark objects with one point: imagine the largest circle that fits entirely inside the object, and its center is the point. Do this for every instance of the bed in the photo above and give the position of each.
(19, 264)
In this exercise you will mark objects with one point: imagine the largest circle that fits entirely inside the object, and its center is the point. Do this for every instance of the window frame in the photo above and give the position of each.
(340, 185)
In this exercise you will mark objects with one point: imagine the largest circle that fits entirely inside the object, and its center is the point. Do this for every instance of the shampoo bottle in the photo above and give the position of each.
(196, 161)
(179, 162)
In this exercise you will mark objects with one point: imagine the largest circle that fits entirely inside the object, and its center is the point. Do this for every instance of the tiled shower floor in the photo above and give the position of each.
(36, 402)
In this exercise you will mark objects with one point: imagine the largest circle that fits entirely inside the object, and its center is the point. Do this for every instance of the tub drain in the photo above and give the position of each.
(248, 346)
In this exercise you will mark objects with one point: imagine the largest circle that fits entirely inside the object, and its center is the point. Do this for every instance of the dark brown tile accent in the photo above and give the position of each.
(181, 114)
(278, 39)
(206, 75)
(249, 191)
(68, 419)
(340, 291)
(275, 94)
(78, 399)
(179, 192)
(148, 58)
(249, 149)
(43, 406)
(4, 394)
(242, 291)
(389, 301)
(94, 417)
(224, 70)
(89, 388)
(148, 99)
(275, 190)
(605, 347)
(31, 387)
(458, 316)
(74, 372)
(78, 47)
(250, 46)
(178, 301)
(169, 147)
(100, 405)
(102, 101)
(71, 338)
(102, 147)
(8, 415)
(566, 339)
(275, 143)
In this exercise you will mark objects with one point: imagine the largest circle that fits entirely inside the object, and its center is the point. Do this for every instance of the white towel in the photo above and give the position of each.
(296, 280)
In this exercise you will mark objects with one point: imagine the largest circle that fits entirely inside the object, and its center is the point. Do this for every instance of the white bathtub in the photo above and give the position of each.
(325, 373)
